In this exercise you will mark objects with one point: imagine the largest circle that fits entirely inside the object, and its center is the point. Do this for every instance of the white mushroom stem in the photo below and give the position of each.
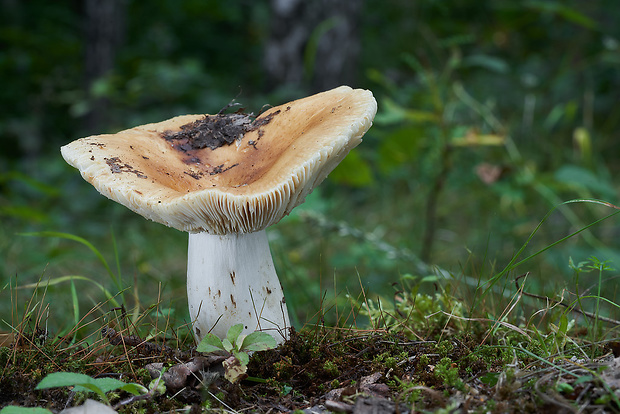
(231, 279)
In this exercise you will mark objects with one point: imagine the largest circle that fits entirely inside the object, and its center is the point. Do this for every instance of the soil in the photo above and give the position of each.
(117, 166)
(214, 131)
(317, 370)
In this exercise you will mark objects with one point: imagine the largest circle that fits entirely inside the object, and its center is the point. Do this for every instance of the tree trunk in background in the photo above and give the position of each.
(313, 43)
(104, 27)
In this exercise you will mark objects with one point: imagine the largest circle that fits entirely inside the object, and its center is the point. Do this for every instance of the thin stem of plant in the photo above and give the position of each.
(587, 314)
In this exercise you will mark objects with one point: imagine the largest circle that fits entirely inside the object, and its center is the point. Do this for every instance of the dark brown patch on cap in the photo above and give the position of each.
(214, 131)
(117, 166)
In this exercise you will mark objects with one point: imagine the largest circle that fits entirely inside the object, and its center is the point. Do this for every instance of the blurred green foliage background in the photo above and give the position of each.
(491, 113)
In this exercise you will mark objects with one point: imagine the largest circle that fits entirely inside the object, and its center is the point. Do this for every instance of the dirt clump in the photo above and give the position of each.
(214, 131)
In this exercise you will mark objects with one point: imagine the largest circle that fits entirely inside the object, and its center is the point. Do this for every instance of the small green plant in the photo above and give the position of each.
(87, 384)
(564, 388)
(410, 390)
(424, 360)
(237, 347)
(444, 348)
(388, 360)
(12, 409)
(449, 373)
(559, 334)
(413, 311)
(593, 264)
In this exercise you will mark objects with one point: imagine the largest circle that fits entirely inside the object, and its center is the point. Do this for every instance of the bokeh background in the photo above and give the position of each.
(491, 115)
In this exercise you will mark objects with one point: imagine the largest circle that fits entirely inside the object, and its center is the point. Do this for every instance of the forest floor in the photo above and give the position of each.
(324, 370)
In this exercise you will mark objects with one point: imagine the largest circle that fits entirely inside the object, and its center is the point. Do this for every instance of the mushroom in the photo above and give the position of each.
(225, 178)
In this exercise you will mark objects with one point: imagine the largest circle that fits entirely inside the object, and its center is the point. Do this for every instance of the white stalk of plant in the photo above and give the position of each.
(231, 279)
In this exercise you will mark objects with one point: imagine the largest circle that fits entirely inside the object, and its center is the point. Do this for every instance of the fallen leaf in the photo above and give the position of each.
(233, 370)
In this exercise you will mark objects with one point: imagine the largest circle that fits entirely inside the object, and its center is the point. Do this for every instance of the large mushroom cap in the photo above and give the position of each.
(242, 187)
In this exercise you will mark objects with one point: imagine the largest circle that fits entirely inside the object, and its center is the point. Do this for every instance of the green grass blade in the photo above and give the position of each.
(116, 255)
(596, 297)
(545, 361)
(76, 306)
(513, 262)
(82, 241)
(66, 278)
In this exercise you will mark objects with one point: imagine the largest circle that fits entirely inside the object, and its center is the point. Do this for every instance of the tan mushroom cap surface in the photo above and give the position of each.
(238, 188)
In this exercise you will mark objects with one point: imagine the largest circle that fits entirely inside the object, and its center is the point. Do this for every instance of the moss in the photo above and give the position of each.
(448, 372)
(283, 369)
(331, 368)
(444, 348)
(424, 360)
